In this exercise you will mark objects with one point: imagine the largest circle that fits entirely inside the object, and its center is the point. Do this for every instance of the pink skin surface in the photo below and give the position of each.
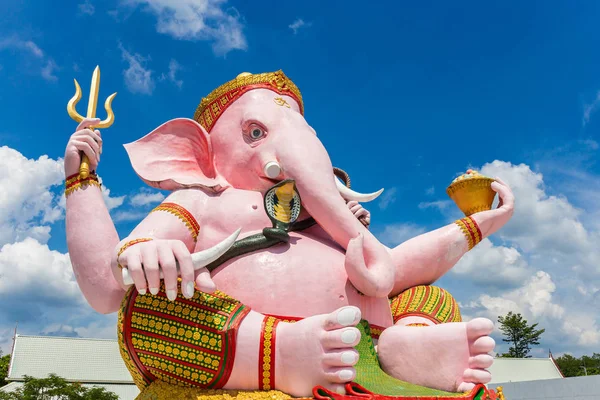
(219, 178)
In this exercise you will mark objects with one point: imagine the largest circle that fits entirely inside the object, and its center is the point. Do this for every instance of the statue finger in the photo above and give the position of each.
(134, 266)
(186, 268)
(355, 208)
(93, 143)
(150, 261)
(98, 139)
(168, 267)
(361, 212)
(87, 150)
(504, 193)
(88, 122)
(204, 281)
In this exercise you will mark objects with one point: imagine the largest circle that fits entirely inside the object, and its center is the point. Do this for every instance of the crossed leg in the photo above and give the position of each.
(214, 341)
(429, 345)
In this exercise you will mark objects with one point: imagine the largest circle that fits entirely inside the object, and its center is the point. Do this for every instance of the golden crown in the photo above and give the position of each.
(212, 106)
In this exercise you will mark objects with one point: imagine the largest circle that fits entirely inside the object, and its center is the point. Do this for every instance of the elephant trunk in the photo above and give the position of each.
(368, 264)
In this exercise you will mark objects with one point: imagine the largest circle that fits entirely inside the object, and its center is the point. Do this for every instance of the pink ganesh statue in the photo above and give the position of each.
(258, 272)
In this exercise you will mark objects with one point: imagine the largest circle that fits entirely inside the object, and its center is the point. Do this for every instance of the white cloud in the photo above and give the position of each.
(48, 71)
(14, 42)
(430, 191)
(197, 20)
(145, 197)
(174, 67)
(138, 79)
(535, 301)
(588, 109)
(393, 235)
(388, 197)
(33, 273)
(86, 8)
(129, 215)
(111, 202)
(25, 197)
(493, 265)
(47, 66)
(297, 24)
(439, 204)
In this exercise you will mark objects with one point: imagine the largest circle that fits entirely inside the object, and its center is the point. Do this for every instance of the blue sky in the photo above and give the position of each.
(403, 96)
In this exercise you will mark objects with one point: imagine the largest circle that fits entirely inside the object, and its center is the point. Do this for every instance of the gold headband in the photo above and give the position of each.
(212, 106)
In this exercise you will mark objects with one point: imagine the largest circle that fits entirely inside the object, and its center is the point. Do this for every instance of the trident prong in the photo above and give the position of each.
(84, 169)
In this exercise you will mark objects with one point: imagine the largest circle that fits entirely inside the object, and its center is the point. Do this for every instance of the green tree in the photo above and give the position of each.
(573, 366)
(520, 334)
(569, 365)
(4, 362)
(56, 388)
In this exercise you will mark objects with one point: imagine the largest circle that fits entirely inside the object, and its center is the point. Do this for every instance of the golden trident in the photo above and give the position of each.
(84, 168)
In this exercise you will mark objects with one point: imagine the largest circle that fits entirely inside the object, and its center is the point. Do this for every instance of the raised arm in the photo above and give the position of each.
(424, 259)
(91, 234)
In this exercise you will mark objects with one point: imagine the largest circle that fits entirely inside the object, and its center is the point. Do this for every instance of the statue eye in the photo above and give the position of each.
(256, 133)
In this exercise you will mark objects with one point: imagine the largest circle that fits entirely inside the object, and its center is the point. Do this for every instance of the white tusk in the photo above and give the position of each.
(350, 194)
(272, 169)
(200, 259)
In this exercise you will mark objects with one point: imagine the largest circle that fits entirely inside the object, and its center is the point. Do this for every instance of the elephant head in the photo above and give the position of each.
(250, 134)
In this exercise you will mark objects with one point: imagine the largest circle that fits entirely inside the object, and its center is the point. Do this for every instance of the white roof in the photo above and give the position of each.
(74, 359)
(523, 369)
(11, 387)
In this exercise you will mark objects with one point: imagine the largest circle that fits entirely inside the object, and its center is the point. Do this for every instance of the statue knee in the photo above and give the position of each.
(424, 305)
(187, 342)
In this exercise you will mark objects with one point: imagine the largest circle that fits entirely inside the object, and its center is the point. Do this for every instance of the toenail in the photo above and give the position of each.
(340, 390)
(171, 295)
(345, 375)
(154, 290)
(348, 357)
(346, 316)
(142, 291)
(349, 336)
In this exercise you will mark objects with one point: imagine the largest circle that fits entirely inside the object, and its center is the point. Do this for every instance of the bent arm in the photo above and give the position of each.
(424, 259)
(91, 240)
(174, 219)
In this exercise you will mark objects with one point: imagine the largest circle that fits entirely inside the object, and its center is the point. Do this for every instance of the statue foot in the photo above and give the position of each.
(451, 357)
(318, 350)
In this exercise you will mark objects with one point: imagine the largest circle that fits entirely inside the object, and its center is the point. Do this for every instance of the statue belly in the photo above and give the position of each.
(303, 278)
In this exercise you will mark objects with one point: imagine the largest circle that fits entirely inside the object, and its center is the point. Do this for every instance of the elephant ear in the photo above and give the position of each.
(177, 154)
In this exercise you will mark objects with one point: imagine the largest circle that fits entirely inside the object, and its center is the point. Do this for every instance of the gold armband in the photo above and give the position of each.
(183, 214)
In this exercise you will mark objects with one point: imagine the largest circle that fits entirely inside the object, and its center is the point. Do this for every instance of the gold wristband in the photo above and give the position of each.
(471, 231)
(129, 244)
(74, 183)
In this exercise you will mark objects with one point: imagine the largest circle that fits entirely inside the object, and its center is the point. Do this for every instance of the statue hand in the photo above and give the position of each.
(492, 220)
(147, 260)
(83, 140)
(358, 211)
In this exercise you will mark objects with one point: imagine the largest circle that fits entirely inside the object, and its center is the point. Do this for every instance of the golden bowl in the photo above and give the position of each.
(472, 192)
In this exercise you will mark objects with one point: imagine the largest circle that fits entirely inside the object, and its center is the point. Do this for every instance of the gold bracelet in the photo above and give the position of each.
(471, 231)
(129, 244)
